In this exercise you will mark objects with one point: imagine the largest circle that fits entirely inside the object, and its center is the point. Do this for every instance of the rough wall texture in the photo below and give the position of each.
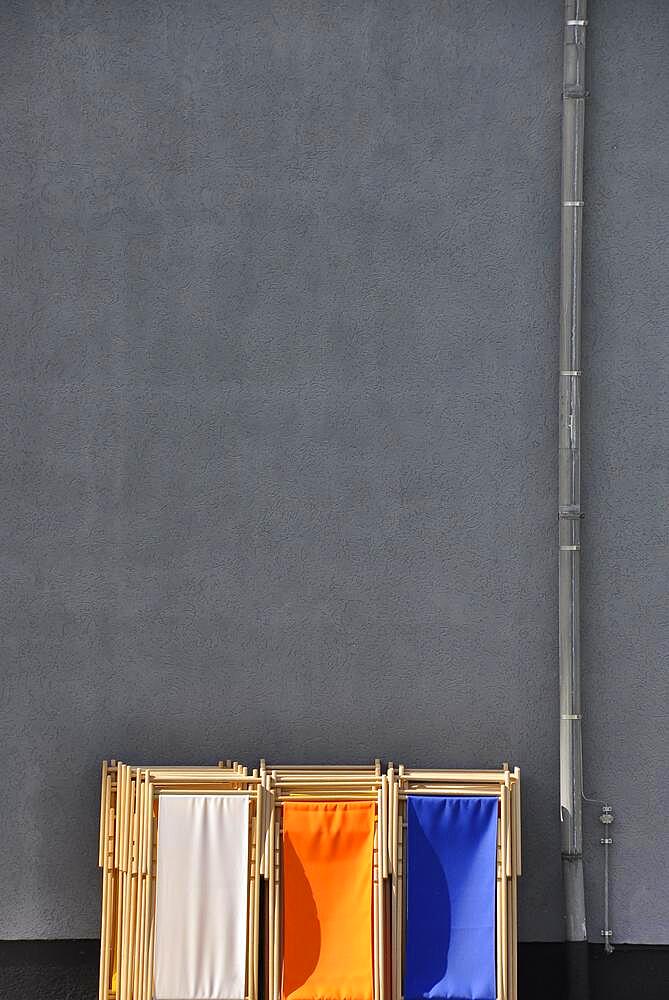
(626, 459)
(278, 400)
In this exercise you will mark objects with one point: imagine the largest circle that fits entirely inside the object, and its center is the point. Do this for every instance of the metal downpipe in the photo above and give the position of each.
(569, 496)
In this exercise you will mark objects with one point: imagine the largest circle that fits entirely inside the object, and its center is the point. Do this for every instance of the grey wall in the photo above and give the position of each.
(625, 437)
(278, 403)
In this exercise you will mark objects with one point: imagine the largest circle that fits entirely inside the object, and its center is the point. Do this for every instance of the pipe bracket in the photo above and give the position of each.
(570, 513)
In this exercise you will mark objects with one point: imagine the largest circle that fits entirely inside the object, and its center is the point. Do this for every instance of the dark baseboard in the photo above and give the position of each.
(68, 970)
(632, 970)
(49, 970)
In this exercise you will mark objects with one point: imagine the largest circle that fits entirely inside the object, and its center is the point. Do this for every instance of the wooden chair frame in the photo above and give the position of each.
(307, 771)
(503, 784)
(128, 853)
(328, 784)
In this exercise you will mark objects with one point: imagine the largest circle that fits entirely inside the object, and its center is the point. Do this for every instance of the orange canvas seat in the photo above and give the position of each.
(328, 853)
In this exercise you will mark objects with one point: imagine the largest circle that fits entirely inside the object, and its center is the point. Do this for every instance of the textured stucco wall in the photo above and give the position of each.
(626, 459)
(278, 403)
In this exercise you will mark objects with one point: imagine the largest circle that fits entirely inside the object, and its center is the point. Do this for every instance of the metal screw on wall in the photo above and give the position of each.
(607, 818)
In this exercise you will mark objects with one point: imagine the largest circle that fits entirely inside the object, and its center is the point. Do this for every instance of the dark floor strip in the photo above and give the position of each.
(68, 970)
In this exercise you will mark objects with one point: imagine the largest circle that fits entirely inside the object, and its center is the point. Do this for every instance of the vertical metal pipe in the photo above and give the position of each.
(606, 819)
(569, 491)
(607, 921)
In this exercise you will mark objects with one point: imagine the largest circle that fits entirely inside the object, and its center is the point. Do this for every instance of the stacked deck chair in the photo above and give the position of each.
(325, 862)
(180, 848)
(454, 856)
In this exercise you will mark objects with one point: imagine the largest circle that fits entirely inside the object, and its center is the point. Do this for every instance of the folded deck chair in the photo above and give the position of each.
(119, 853)
(117, 859)
(454, 842)
(325, 871)
(184, 925)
